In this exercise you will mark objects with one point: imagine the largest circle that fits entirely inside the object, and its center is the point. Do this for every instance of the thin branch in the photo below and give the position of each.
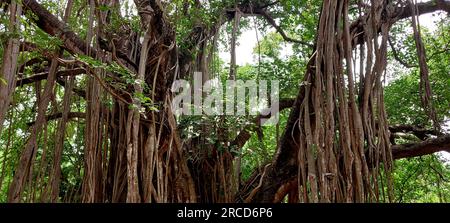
(438, 173)
(397, 56)
(281, 31)
(257, 188)
(446, 50)
(59, 115)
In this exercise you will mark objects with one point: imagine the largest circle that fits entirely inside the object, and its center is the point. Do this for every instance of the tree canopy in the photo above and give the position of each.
(86, 101)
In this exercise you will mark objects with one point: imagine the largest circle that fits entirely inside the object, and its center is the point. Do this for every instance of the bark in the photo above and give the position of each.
(9, 62)
(426, 147)
(56, 171)
(55, 177)
(71, 41)
(92, 188)
(234, 35)
(419, 132)
(132, 150)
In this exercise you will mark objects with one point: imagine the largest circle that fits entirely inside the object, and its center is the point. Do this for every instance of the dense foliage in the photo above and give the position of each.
(418, 179)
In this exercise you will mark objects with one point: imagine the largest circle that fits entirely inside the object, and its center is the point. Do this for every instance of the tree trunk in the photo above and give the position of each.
(9, 62)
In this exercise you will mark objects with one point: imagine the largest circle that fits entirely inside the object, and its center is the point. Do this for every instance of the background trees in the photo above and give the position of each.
(85, 104)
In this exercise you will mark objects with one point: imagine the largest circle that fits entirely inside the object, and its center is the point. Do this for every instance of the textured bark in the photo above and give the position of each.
(92, 186)
(55, 177)
(56, 170)
(132, 149)
(9, 62)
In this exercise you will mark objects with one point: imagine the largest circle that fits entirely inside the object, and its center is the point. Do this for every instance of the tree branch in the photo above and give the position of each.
(397, 56)
(424, 8)
(421, 133)
(254, 10)
(245, 135)
(59, 115)
(399, 13)
(423, 148)
(31, 47)
(280, 30)
(54, 27)
(43, 76)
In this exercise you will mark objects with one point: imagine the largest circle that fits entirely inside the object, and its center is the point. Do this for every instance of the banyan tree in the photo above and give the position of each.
(86, 101)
